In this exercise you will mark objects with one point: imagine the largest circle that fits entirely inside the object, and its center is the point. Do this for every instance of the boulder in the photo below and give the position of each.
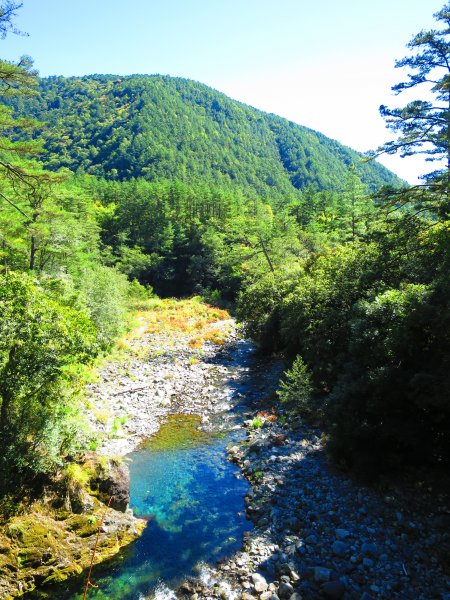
(116, 483)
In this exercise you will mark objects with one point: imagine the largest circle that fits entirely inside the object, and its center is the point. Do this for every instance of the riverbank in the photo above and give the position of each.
(320, 534)
(165, 365)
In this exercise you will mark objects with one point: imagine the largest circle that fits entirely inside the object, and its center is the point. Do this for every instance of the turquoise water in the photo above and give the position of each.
(194, 503)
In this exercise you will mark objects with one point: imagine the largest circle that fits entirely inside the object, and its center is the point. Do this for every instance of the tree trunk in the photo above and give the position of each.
(266, 254)
(32, 252)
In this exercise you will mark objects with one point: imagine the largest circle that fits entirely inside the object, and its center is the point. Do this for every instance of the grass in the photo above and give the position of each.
(192, 319)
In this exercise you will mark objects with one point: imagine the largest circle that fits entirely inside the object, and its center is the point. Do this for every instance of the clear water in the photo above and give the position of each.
(191, 496)
(193, 500)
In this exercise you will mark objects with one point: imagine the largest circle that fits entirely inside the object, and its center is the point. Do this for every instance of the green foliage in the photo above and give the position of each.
(104, 292)
(370, 323)
(296, 389)
(388, 405)
(39, 342)
(423, 124)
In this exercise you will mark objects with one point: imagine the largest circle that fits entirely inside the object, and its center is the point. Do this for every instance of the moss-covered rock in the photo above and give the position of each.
(48, 546)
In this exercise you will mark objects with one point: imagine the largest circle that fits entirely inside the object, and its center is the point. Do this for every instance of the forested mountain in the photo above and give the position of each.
(160, 127)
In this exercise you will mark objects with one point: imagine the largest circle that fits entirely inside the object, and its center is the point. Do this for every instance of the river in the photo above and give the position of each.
(191, 495)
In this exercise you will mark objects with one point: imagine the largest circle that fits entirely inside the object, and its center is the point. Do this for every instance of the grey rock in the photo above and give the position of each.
(285, 590)
(369, 549)
(266, 596)
(259, 582)
(311, 539)
(342, 534)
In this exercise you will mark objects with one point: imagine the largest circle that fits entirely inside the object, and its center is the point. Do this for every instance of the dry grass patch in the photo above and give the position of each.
(191, 318)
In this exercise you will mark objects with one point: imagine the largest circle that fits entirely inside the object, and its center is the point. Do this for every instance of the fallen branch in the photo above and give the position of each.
(89, 583)
(131, 390)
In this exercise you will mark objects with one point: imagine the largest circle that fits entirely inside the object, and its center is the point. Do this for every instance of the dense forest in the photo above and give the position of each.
(113, 188)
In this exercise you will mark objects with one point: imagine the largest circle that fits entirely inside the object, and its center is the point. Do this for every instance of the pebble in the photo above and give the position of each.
(285, 590)
(342, 534)
(369, 549)
(339, 548)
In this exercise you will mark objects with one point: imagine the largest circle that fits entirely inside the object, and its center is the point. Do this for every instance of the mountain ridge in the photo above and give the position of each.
(159, 126)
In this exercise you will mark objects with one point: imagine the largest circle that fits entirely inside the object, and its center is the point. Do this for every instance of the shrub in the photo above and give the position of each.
(389, 406)
(296, 389)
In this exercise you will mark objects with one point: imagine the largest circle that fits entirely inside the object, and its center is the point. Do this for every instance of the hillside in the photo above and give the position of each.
(160, 127)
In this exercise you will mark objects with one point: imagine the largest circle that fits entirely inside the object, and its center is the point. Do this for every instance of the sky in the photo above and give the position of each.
(325, 64)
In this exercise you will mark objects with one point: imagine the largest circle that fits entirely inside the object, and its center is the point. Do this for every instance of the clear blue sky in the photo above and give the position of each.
(326, 64)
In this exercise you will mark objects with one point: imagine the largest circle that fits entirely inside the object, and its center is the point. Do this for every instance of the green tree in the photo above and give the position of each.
(424, 125)
(8, 10)
(39, 341)
(357, 207)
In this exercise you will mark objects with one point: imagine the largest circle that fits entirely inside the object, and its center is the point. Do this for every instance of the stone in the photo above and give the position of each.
(311, 539)
(115, 483)
(339, 548)
(342, 534)
(285, 590)
(334, 590)
(81, 502)
(369, 549)
(259, 582)
(321, 574)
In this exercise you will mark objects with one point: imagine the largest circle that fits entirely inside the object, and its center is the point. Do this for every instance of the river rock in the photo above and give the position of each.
(369, 549)
(259, 582)
(339, 548)
(285, 590)
(342, 534)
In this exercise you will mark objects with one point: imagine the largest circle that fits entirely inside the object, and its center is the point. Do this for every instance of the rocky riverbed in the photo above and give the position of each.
(162, 373)
(320, 534)
(317, 532)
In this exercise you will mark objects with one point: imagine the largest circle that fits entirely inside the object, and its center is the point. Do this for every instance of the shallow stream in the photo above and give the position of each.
(190, 494)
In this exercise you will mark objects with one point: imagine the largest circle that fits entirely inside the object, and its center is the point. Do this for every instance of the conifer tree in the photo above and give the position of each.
(424, 125)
